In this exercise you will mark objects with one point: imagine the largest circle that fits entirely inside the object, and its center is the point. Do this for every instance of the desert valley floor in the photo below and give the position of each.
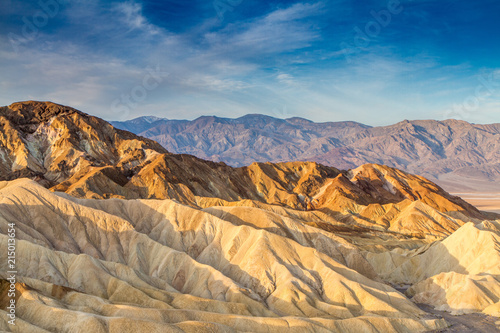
(484, 201)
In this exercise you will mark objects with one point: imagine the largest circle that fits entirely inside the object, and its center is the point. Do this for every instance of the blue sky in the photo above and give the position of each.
(376, 62)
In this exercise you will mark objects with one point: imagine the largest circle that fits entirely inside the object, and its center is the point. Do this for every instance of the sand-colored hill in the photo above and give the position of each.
(159, 266)
(51, 142)
(460, 274)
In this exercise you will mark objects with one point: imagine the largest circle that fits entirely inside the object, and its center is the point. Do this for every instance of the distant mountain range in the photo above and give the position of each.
(460, 156)
(114, 233)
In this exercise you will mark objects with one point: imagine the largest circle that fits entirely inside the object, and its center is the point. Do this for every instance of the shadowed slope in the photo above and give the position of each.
(161, 266)
(460, 274)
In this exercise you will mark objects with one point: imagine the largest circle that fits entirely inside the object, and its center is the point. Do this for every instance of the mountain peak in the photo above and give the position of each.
(52, 142)
(33, 112)
(148, 119)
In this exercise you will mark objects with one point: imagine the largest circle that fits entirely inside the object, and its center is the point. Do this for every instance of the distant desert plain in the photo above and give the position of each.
(483, 201)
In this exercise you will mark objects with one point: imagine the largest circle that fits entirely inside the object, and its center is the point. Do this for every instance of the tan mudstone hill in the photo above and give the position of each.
(460, 274)
(84, 156)
(118, 265)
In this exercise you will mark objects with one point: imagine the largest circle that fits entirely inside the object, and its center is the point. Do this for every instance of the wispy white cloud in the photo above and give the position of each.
(213, 83)
(282, 30)
(131, 14)
(286, 78)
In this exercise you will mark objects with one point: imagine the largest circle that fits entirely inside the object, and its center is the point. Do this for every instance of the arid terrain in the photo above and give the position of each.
(459, 156)
(114, 233)
(483, 201)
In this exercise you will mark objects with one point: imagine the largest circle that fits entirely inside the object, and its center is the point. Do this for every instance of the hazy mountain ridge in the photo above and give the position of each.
(445, 151)
(69, 151)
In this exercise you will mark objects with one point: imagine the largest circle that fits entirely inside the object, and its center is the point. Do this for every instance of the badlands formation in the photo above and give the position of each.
(157, 265)
(116, 234)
